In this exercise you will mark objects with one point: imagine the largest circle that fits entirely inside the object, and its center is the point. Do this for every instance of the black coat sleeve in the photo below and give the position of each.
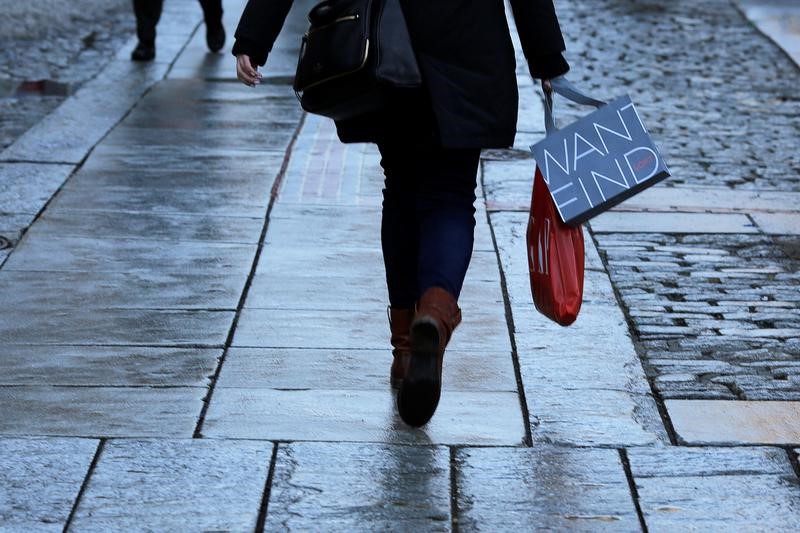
(540, 34)
(259, 26)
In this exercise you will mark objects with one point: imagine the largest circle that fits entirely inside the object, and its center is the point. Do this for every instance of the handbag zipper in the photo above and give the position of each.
(335, 21)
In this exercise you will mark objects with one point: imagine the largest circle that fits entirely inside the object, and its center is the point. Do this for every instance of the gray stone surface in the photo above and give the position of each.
(158, 485)
(26, 187)
(39, 481)
(778, 19)
(213, 192)
(148, 226)
(55, 47)
(106, 366)
(129, 290)
(356, 369)
(116, 327)
(778, 223)
(716, 489)
(727, 301)
(617, 222)
(100, 411)
(360, 487)
(280, 328)
(735, 422)
(543, 489)
(82, 254)
(462, 418)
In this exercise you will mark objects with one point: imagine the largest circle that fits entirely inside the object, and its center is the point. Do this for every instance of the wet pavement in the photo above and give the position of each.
(194, 330)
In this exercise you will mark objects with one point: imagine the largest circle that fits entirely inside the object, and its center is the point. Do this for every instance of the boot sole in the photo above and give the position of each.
(421, 388)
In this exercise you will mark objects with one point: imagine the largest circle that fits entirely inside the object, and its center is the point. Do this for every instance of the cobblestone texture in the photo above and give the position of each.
(65, 43)
(716, 315)
(720, 99)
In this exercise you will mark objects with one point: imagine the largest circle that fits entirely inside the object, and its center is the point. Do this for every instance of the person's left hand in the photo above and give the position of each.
(246, 71)
(547, 86)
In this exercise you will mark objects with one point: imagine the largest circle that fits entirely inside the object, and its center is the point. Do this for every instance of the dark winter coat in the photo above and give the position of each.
(467, 62)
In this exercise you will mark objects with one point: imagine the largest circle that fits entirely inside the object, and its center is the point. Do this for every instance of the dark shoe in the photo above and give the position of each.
(143, 52)
(215, 36)
(400, 325)
(436, 317)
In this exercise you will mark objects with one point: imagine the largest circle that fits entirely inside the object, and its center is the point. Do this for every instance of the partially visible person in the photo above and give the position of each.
(430, 140)
(149, 11)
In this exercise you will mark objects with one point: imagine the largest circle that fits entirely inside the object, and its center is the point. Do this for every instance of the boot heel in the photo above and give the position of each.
(420, 391)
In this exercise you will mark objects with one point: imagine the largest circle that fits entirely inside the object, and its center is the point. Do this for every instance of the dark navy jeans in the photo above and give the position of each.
(428, 218)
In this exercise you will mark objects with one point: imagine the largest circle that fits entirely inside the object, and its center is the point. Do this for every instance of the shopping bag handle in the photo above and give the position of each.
(566, 89)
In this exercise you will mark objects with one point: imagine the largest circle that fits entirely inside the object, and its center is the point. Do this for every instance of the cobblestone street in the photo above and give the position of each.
(48, 49)
(193, 330)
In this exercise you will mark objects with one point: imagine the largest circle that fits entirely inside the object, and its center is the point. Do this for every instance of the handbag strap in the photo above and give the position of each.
(566, 89)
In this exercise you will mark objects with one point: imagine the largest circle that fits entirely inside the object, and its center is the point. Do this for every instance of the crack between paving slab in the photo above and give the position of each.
(640, 352)
(100, 446)
(198, 432)
(523, 401)
(454, 527)
(262, 511)
(626, 465)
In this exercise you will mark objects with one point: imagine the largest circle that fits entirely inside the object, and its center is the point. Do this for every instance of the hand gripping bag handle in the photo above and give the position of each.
(563, 87)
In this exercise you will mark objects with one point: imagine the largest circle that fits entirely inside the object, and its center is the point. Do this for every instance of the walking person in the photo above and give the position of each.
(148, 12)
(430, 140)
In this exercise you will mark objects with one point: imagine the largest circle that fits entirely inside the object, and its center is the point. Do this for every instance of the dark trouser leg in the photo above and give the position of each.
(212, 12)
(399, 236)
(428, 219)
(445, 205)
(147, 14)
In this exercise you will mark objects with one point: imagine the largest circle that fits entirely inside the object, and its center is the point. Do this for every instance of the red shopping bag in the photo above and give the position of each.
(555, 258)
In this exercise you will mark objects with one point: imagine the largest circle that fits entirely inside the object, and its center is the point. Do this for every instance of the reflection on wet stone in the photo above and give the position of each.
(360, 487)
(544, 488)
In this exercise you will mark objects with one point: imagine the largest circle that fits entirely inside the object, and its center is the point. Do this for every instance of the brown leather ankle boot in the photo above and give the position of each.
(400, 325)
(436, 317)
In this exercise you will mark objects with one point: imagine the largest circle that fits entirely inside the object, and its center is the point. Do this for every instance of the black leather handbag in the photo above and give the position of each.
(354, 53)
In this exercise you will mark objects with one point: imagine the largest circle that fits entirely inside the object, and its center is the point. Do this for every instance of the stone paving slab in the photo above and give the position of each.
(269, 137)
(286, 369)
(148, 226)
(360, 487)
(202, 193)
(168, 160)
(324, 292)
(82, 254)
(462, 418)
(158, 485)
(115, 327)
(706, 199)
(284, 328)
(621, 222)
(714, 489)
(544, 489)
(698, 422)
(39, 481)
(106, 366)
(778, 224)
(130, 290)
(100, 411)
(26, 187)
